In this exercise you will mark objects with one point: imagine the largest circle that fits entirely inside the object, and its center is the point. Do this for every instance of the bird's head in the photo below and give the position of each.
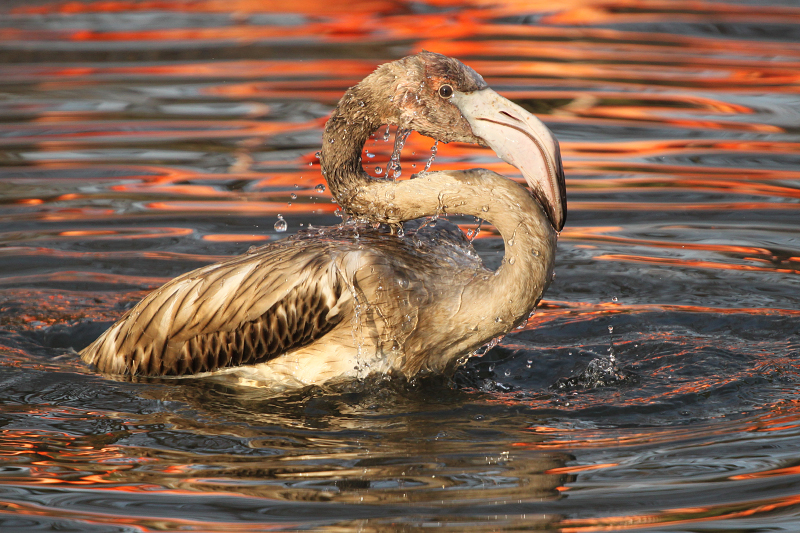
(442, 98)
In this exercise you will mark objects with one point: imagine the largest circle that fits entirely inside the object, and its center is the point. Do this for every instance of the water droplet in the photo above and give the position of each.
(536, 253)
(378, 171)
(393, 167)
(338, 213)
(507, 373)
(320, 188)
(614, 299)
(370, 155)
(386, 133)
(318, 154)
(510, 260)
(434, 149)
(403, 282)
(529, 363)
(511, 242)
(293, 196)
(330, 141)
(498, 319)
(469, 233)
(280, 224)
(611, 329)
(485, 208)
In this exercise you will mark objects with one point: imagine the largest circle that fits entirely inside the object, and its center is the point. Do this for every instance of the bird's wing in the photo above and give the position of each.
(246, 310)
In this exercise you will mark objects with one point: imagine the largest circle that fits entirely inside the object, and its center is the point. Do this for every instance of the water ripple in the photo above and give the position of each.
(144, 139)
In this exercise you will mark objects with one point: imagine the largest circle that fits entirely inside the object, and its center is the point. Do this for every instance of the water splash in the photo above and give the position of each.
(474, 235)
(434, 149)
(488, 346)
(393, 167)
(600, 372)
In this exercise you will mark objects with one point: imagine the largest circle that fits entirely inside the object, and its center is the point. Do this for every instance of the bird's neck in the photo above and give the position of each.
(506, 296)
(358, 114)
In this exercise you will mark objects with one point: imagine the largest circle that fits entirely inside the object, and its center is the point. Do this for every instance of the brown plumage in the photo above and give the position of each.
(346, 301)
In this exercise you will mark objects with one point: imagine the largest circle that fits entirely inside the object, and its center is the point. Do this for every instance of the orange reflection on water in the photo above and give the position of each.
(234, 237)
(642, 118)
(677, 206)
(203, 6)
(242, 207)
(580, 468)
(677, 146)
(599, 234)
(565, 439)
(65, 135)
(691, 263)
(789, 471)
(574, 311)
(86, 233)
(679, 516)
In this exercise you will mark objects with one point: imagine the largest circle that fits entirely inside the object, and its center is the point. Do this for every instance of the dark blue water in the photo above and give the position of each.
(656, 388)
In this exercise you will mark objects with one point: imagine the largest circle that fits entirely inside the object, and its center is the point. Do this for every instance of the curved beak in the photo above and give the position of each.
(522, 140)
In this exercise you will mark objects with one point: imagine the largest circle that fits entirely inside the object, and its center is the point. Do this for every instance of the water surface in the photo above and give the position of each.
(139, 140)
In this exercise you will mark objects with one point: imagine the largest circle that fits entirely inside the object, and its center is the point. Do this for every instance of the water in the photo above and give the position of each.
(141, 140)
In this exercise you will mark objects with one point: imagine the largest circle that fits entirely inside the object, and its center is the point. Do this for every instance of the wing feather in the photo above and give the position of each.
(246, 310)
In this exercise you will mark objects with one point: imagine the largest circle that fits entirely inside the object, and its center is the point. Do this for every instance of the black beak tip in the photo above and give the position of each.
(558, 222)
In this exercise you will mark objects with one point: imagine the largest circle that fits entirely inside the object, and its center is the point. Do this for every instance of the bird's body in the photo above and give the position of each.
(343, 302)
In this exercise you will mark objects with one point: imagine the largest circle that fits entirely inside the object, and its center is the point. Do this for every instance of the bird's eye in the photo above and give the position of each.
(445, 91)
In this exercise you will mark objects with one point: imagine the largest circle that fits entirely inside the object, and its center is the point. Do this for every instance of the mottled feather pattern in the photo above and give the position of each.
(243, 311)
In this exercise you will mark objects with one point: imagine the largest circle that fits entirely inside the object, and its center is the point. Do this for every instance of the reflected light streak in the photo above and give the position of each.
(241, 207)
(558, 309)
(689, 263)
(70, 134)
(597, 234)
(72, 277)
(234, 237)
(674, 517)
